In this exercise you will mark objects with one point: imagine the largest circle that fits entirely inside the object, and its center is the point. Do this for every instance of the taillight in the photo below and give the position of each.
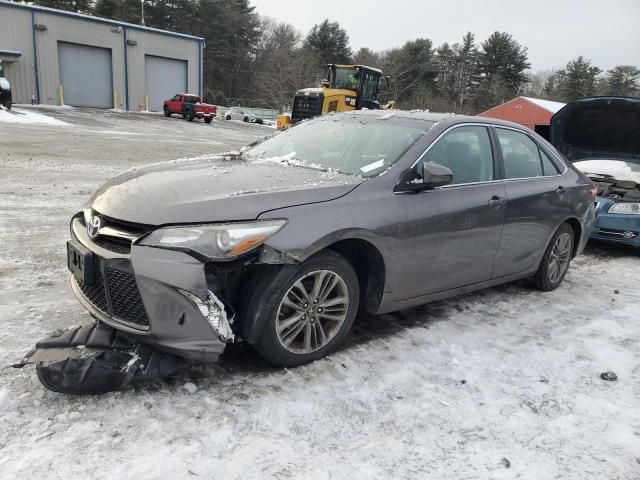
(593, 191)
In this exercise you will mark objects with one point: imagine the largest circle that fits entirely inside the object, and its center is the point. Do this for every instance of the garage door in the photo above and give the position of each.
(85, 74)
(164, 78)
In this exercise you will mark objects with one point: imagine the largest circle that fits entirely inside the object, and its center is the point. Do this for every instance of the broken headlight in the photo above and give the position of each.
(215, 241)
(625, 208)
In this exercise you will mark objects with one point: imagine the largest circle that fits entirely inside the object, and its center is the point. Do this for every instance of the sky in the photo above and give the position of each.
(555, 31)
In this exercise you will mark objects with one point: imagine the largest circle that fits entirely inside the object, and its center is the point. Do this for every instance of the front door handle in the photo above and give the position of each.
(496, 202)
(561, 190)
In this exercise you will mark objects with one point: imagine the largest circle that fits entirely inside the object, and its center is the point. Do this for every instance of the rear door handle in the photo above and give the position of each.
(496, 202)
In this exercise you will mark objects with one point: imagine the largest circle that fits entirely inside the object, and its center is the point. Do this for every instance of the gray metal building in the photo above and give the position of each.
(58, 57)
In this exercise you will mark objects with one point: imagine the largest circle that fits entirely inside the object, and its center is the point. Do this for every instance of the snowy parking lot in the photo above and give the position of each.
(503, 383)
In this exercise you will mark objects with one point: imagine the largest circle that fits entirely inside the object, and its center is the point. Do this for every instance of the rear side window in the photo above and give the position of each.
(548, 167)
(520, 154)
(466, 151)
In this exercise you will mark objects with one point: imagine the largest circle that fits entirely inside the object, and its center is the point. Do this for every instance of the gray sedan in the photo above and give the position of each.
(284, 243)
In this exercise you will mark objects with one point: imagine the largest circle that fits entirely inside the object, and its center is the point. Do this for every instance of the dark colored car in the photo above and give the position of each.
(5, 93)
(601, 135)
(283, 244)
(190, 107)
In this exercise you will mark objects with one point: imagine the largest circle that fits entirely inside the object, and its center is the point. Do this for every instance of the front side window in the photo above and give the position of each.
(176, 98)
(520, 154)
(466, 151)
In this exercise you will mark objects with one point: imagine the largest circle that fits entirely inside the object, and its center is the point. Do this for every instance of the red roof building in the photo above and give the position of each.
(530, 112)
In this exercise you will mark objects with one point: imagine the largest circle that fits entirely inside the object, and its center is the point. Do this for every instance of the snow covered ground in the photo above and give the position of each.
(21, 115)
(499, 384)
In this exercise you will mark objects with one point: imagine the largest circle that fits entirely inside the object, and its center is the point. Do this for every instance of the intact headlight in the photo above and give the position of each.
(628, 208)
(216, 241)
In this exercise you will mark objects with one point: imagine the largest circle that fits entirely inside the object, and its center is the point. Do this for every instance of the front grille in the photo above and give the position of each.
(306, 107)
(125, 297)
(115, 293)
(95, 293)
(116, 244)
(113, 244)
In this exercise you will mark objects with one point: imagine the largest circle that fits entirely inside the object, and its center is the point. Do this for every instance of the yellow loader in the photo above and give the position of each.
(348, 87)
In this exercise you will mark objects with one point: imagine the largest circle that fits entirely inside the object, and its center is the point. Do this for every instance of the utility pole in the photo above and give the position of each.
(142, 18)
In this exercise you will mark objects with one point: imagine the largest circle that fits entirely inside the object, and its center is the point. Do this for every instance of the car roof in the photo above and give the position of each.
(425, 115)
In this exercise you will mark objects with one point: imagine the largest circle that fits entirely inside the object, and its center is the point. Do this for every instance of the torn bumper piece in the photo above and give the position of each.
(96, 358)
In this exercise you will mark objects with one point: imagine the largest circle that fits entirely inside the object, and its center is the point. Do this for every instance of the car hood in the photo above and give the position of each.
(213, 189)
(598, 127)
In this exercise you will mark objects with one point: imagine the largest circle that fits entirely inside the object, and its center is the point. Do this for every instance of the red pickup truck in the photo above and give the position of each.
(190, 107)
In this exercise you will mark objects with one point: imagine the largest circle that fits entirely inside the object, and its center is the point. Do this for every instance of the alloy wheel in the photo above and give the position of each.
(559, 258)
(312, 311)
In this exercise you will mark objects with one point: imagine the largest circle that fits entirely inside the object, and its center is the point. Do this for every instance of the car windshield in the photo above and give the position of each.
(355, 145)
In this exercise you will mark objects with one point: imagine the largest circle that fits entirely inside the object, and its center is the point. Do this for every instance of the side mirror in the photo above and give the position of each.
(434, 175)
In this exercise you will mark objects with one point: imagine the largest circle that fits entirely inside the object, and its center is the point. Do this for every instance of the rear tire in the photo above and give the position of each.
(556, 259)
(208, 119)
(167, 113)
(245, 119)
(188, 116)
(305, 310)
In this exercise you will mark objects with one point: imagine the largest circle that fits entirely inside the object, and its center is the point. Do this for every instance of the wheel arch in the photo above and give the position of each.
(577, 233)
(364, 250)
(369, 265)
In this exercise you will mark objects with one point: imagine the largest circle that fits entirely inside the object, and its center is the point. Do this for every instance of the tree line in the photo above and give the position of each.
(258, 61)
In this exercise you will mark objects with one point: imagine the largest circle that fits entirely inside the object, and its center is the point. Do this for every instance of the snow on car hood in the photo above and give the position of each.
(215, 188)
(618, 169)
(598, 127)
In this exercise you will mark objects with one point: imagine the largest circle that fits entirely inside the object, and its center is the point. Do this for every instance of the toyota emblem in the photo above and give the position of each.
(93, 227)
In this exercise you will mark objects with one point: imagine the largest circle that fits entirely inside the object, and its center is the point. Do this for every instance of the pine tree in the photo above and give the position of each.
(465, 72)
(577, 79)
(502, 62)
(623, 80)
(330, 42)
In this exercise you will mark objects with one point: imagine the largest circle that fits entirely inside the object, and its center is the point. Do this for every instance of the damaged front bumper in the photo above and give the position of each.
(95, 359)
(159, 297)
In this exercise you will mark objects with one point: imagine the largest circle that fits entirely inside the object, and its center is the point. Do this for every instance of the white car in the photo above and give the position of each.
(237, 114)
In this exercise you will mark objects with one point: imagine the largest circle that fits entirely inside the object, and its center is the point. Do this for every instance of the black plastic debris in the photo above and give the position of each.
(609, 376)
(96, 358)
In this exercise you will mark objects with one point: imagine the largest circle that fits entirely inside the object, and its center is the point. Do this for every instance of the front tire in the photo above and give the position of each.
(245, 119)
(556, 259)
(306, 310)
(167, 113)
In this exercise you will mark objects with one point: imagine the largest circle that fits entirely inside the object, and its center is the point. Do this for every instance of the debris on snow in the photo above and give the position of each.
(609, 376)
(190, 387)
